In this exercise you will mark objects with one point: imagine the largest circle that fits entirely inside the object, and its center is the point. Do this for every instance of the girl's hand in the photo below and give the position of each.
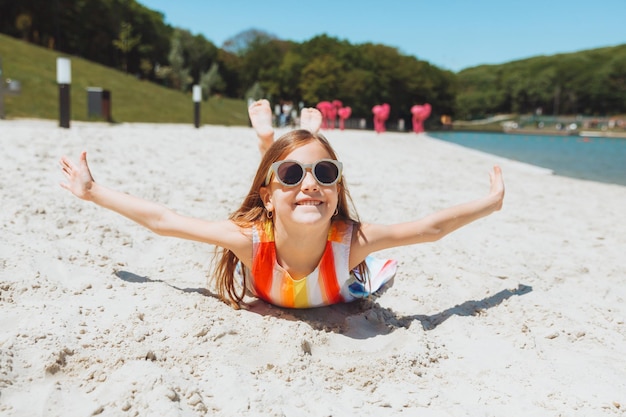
(497, 186)
(79, 179)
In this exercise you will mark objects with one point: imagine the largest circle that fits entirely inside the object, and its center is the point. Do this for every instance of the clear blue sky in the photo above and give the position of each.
(453, 34)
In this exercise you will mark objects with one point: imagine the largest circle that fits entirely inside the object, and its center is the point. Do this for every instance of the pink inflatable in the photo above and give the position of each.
(420, 113)
(329, 111)
(325, 108)
(337, 104)
(381, 114)
(344, 113)
(332, 117)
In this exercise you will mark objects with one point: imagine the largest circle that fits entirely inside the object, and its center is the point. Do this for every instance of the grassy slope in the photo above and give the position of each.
(132, 100)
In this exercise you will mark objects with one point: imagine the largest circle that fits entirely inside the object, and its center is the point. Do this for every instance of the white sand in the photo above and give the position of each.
(518, 314)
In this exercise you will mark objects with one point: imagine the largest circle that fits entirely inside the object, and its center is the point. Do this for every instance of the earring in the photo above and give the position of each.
(336, 211)
(269, 214)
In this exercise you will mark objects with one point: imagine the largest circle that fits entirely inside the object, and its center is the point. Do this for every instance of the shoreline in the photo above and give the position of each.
(542, 132)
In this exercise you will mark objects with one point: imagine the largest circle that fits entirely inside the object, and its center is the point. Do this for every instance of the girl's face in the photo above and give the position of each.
(308, 203)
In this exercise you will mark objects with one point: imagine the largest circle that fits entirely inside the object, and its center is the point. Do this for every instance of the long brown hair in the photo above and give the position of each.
(252, 210)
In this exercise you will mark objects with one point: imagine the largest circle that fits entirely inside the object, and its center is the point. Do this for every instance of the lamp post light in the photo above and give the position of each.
(64, 79)
(197, 98)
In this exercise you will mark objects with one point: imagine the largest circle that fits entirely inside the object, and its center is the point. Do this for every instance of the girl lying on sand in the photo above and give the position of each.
(296, 240)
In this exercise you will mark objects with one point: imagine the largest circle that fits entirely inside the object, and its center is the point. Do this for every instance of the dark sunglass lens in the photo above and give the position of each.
(290, 173)
(326, 172)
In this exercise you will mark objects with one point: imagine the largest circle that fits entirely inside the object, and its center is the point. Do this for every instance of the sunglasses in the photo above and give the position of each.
(291, 173)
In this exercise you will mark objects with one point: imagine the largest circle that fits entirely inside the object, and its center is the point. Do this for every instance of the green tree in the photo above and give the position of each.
(255, 92)
(198, 53)
(609, 85)
(211, 81)
(23, 24)
(180, 77)
(287, 76)
(126, 42)
(354, 90)
(320, 79)
(260, 63)
(229, 65)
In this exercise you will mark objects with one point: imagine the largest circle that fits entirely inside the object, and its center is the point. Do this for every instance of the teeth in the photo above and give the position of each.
(308, 203)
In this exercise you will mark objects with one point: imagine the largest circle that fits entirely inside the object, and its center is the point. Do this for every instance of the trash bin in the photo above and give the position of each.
(94, 102)
(99, 103)
(106, 105)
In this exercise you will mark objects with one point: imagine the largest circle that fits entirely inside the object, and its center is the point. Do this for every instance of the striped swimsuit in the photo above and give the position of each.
(331, 282)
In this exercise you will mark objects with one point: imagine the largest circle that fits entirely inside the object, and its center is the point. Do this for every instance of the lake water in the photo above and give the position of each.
(589, 158)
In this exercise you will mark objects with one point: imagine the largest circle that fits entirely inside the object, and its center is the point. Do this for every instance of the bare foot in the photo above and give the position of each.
(261, 117)
(310, 119)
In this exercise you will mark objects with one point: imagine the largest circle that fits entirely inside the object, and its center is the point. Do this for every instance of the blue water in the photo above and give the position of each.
(595, 159)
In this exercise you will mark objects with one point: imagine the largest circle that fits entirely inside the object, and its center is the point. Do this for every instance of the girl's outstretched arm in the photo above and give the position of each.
(153, 216)
(432, 227)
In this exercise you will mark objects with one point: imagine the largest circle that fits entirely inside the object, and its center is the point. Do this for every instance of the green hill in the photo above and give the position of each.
(132, 100)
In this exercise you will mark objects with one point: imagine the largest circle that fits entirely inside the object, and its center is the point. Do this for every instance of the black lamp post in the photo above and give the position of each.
(197, 98)
(64, 79)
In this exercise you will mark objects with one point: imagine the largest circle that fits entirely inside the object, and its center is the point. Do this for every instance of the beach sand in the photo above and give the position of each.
(521, 313)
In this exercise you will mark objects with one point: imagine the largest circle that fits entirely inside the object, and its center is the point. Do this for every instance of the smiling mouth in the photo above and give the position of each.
(309, 203)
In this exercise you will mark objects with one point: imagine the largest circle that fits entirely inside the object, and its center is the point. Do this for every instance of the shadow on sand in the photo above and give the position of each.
(366, 318)
(361, 319)
(138, 279)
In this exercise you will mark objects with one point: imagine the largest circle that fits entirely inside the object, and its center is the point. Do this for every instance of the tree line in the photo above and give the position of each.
(591, 82)
(253, 64)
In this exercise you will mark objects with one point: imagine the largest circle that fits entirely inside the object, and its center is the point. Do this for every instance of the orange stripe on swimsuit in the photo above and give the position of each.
(330, 283)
